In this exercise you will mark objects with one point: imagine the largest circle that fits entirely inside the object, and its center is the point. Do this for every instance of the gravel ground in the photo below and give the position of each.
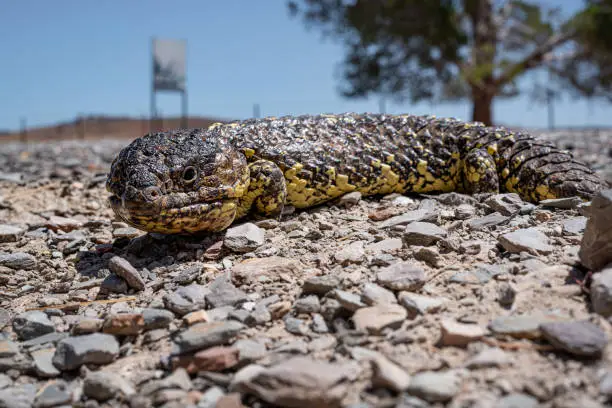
(399, 301)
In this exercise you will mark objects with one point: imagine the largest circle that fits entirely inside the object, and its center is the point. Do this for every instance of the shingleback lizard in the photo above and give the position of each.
(190, 180)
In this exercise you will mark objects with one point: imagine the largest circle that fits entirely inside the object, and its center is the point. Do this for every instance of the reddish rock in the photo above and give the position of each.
(124, 324)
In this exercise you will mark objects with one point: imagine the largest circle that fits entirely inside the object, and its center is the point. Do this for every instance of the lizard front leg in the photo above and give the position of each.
(267, 191)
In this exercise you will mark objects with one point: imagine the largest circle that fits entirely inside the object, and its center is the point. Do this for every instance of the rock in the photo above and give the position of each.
(233, 400)
(402, 276)
(97, 348)
(389, 375)
(297, 382)
(352, 253)
(199, 316)
(581, 338)
(349, 199)
(349, 301)
(489, 357)
(596, 247)
(18, 397)
(10, 233)
(102, 386)
(481, 274)
(124, 324)
(388, 245)
(5, 381)
(522, 326)
(46, 339)
(601, 292)
(156, 318)
(186, 299)
(423, 233)
(87, 326)
(528, 240)
(505, 204)
(258, 270)
(490, 220)
(421, 304)
(574, 225)
(406, 218)
(375, 319)
(53, 394)
(125, 270)
(57, 223)
(18, 260)
(224, 293)
(210, 397)
(565, 203)
(5, 317)
(29, 325)
(464, 212)
(459, 334)
(318, 324)
(605, 384)
(506, 294)
(372, 294)
(308, 304)
(435, 386)
(126, 232)
(43, 362)
(204, 335)
(517, 400)
(113, 284)
(320, 285)
(250, 351)
(243, 238)
(213, 359)
(8, 348)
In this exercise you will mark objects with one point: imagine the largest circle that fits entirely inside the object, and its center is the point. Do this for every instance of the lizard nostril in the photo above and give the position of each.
(152, 193)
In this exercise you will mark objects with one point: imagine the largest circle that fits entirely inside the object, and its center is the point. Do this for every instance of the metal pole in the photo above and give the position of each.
(184, 119)
(153, 112)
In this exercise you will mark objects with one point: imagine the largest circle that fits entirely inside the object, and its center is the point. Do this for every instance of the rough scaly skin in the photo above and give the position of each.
(191, 180)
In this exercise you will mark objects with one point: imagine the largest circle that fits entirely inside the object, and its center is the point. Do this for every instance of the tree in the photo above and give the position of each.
(464, 49)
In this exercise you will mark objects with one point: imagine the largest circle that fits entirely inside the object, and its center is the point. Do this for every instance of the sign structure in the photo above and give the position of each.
(169, 72)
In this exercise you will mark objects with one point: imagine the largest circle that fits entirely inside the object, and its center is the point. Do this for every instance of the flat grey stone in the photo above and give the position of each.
(5, 317)
(96, 348)
(50, 338)
(186, 299)
(374, 319)
(122, 268)
(605, 384)
(490, 220)
(18, 397)
(318, 324)
(523, 326)
(351, 253)
(384, 246)
(250, 350)
(581, 338)
(423, 233)
(53, 394)
(5, 381)
(156, 318)
(489, 357)
(43, 364)
(373, 294)
(113, 284)
(421, 304)
(297, 382)
(243, 238)
(565, 203)
(406, 218)
(505, 204)
(8, 348)
(320, 285)
(10, 233)
(350, 301)
(210, 397)
(29, 325)
(465, 212)
(295, 326)
(204, 335)
(18, 260)
(528, 240)
(102, 386)
(402, 276)
(307, 304)
(389, 375)
(574, 225)
(517, 400)
(596, 247)
(435, 386)
(224, 293)
(601, 292)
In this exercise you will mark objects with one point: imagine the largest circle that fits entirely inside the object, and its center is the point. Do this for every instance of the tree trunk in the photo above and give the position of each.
(482, 108)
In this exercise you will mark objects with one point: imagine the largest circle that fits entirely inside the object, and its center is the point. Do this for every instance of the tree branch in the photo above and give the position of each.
(532, 60)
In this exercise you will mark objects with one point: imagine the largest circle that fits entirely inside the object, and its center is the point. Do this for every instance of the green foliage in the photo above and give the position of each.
(455, 49)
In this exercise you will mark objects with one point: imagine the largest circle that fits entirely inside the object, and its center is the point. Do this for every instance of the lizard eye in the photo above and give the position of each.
(189, 174)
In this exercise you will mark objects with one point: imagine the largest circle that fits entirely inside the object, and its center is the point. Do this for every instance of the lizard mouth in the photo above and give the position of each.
(211, 216)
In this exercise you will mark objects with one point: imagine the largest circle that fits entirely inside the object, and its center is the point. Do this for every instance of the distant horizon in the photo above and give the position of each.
(69, 57)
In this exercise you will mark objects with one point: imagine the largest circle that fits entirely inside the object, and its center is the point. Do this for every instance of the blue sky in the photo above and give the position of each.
(63, 57)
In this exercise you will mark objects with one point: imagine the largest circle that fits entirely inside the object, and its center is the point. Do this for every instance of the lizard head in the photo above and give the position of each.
(181, 181)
